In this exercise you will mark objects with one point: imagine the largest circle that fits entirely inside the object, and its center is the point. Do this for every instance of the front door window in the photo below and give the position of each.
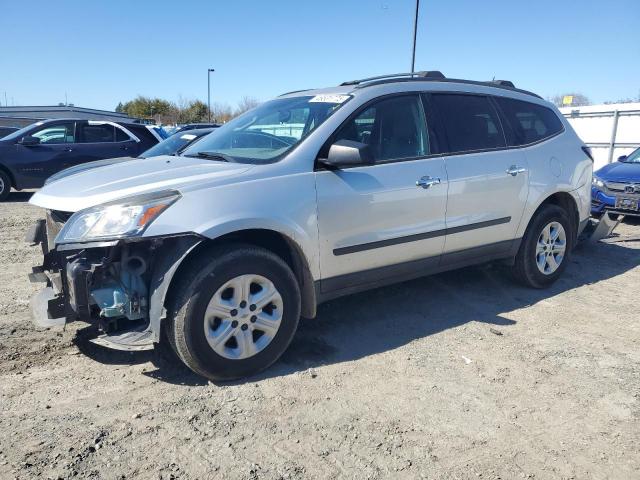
(63, 132)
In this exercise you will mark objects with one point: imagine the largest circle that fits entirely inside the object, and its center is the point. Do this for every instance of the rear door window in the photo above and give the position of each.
(467, 123)
(97, 133)
(528, 122)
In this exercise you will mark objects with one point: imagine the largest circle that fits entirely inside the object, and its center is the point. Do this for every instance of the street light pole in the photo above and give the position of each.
(209, 91)
(415, 34)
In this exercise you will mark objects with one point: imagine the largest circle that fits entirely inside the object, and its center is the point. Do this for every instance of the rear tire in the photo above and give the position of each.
(217, 323)
(5, 186)
(545, 249)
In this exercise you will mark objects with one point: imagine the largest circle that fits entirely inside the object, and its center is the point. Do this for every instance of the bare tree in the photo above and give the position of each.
(221, 112)
(246, 103)
(623, 100)
(185, 110)
(576, 100)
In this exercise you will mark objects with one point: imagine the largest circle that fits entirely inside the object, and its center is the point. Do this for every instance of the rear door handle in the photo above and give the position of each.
(427, 182)
(514, 170)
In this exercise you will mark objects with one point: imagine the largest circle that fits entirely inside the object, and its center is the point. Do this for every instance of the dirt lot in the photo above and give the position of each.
(460, 375)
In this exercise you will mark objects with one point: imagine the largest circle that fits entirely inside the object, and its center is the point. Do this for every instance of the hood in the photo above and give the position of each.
(620, 172)
(107, 183)
(85, 166)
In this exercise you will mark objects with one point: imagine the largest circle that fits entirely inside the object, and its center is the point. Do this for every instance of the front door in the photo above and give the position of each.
(37, 162)
(383, 220)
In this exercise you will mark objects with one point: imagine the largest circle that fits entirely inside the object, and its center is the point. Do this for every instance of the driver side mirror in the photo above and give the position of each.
(347, 153)
(622, 158)
(29, 141)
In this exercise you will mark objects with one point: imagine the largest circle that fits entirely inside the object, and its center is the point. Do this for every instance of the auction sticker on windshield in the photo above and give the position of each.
(330, 98)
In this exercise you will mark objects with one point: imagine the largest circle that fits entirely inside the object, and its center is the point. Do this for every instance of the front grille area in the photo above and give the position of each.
(621, 187)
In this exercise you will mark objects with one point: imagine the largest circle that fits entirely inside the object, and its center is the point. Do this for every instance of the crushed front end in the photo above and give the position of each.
(119, 285)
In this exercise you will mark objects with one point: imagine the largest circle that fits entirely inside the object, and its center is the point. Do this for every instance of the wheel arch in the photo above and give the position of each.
(565, 201)
(10, 174)
(274, 241)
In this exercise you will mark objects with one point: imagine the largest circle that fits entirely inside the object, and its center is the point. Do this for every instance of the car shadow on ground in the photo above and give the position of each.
(168, 367)
(18, 197)
(387, 318)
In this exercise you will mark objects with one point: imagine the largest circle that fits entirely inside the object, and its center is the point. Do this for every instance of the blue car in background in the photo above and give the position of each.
(171, 146)
(616, 187)
(32, 154)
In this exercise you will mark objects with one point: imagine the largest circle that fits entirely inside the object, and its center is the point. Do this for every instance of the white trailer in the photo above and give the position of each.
(610, 130)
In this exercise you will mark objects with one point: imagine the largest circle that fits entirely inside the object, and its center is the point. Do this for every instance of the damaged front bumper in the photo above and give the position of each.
(120, 285)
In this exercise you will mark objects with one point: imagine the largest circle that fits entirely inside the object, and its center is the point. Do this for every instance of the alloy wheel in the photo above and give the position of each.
(551, 248)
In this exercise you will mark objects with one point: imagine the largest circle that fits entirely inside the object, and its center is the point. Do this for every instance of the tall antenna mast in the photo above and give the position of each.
(415, 34)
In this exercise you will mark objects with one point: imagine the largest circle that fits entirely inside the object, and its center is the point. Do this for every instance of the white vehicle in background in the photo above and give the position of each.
(310, 196)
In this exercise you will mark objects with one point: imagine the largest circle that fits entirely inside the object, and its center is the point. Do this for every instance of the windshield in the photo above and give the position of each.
(266, 133)
(22, 132)
(171, 145)
(633, 157)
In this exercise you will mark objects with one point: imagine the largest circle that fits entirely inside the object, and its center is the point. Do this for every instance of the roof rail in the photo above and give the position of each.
(433, 74)
(503, 83)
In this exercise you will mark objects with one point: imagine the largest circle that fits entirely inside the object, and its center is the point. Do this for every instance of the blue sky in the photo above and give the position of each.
(101, 52)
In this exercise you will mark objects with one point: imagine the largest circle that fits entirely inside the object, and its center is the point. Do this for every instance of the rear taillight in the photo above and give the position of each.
(587, 150)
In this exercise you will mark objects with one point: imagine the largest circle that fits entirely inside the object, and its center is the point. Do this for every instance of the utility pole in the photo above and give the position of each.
(415, 34)
(209, 71)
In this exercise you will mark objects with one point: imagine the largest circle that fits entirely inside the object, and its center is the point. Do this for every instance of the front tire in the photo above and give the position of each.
(545, 249)
(235, 312)
(5, 186)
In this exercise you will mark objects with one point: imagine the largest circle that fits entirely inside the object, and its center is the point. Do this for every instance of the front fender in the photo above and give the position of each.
(294, 233)
(172, 256)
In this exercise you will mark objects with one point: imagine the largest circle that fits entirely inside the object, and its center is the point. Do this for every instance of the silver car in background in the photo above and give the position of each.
(310, 196)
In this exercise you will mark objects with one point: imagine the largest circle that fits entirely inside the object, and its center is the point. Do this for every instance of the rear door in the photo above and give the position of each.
(374, 221)
(99, 140)
(35, 163)
(488, 183)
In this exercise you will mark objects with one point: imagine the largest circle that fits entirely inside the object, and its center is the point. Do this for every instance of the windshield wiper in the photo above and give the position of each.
(212, 156)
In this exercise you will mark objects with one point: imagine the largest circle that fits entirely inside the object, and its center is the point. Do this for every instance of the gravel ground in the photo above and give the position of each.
(459, 375)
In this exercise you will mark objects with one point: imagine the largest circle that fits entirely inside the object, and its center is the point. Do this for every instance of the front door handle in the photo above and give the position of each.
(514, 170)
(68, 149)
(426, 182)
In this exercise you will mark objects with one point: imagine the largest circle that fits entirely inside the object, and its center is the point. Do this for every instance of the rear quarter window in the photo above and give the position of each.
(121, 136)
(147, 139)
(528, 122)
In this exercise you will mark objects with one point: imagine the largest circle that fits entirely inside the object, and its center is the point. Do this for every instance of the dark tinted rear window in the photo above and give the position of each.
(101, 133)
(121, 136)
(470, 122)
(528, 122)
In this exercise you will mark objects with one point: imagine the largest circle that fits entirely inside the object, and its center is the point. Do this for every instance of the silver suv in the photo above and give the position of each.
(310, 196)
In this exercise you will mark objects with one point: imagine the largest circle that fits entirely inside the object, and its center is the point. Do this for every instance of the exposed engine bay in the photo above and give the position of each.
(110, 284)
